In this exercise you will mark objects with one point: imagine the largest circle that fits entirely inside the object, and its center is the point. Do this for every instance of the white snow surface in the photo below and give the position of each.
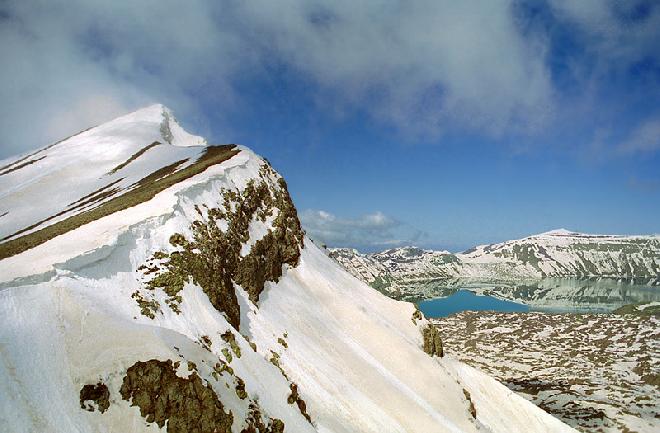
(355, 354)
(69, 170)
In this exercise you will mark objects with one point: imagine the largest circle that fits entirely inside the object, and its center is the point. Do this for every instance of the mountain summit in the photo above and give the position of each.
(152, 282)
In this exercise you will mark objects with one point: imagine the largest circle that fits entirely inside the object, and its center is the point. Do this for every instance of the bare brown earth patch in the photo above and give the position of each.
(22, 162)
(90, 200)
(133, 157)
(21, 165)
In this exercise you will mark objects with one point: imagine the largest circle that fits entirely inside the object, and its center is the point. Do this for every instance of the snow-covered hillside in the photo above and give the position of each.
(150, 282)
(558, 253)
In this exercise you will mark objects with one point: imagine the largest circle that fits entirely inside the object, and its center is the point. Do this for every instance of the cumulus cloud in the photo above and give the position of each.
(69, 65)
(374, 231)
(418, 65)
(421, 66)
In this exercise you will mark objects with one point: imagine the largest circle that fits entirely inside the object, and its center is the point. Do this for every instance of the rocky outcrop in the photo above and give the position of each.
(98, 394)
(212, 258)
(294, 397)
(432, 341)
(184, 404)
(256, 423)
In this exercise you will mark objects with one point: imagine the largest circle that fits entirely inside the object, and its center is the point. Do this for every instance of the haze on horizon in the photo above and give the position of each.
(437, 123)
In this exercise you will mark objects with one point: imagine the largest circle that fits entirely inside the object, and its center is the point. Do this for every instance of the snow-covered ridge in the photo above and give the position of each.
(203, 305)
(106, 158)
(558, 253)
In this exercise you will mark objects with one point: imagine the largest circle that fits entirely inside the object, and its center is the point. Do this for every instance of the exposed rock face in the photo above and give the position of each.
(98, 393)
(256, 423)
(294, 397)
(471, 408)
(185, 404)
(432, 341)
(279, 246)
(212, 258)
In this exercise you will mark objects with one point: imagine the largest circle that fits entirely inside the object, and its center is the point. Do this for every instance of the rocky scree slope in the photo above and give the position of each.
(558, 253)
(152, 282)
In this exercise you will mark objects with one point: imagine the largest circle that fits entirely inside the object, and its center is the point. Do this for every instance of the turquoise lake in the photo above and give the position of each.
(466, 300)
(558, 295)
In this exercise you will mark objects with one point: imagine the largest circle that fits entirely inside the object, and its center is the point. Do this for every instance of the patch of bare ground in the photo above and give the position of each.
(596, 372)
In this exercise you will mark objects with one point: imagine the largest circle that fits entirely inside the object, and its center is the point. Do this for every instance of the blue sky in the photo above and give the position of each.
(439, 123)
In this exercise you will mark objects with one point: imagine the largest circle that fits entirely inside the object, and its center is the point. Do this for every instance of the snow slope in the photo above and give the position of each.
(212, 273)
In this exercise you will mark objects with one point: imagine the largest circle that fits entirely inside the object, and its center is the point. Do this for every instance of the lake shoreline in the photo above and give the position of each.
(552, 295)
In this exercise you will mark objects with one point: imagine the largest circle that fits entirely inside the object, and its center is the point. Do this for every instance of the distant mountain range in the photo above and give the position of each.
(558, 253)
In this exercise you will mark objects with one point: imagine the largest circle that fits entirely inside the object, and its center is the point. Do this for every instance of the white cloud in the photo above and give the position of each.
(418, 65)
(422, 66)
(616, 33)
(70, 65)
(644, 138)
(371, 231)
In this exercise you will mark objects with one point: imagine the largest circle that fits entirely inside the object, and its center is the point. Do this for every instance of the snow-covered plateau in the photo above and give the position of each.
(539, 261)
(152, 282)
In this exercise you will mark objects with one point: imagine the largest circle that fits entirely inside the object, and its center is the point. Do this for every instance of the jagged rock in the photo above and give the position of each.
(255, 424)
(294, 397)
(98, 393)
(471, 408)
(185, 404)
(432, 341)
(212, 258)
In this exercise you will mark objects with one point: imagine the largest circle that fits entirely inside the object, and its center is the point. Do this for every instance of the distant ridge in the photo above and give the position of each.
(556, 253)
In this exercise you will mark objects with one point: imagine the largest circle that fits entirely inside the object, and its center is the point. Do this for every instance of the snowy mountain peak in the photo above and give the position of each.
(559, 232)
(99, 171)
(157, 118)
(149, 282)
(174, 134)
